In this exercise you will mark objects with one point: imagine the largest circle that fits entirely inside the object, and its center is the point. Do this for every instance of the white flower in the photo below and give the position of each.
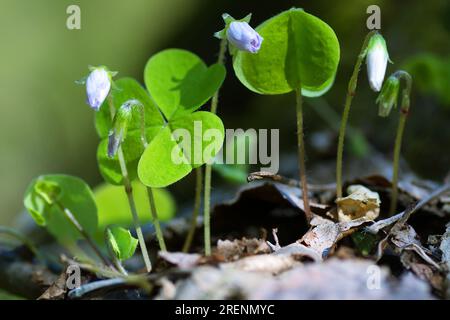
(98, 85)
(244, 37)
(377, 59)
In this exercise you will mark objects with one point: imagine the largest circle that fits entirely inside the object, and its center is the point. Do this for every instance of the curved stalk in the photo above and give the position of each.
(207, 195)
(301, 154)
(151, 198)
(404, 110)
(73, 220)
(195, 212)
(131, 203)
(351, 91)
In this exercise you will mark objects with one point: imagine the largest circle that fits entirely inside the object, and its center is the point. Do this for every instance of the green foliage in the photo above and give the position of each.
(431, 75)
(127, 89)
(180, 82)
(157, 167)
(121, 242)
(113, 207)
(298, 49)
(45, 193)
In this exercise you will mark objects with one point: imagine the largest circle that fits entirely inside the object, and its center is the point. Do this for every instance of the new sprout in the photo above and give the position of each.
(387, 99)
(374, 48)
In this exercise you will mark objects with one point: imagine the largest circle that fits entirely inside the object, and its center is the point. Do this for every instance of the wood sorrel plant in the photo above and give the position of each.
(386, 100)
(376, 55)
(299, 53)
(179, 91)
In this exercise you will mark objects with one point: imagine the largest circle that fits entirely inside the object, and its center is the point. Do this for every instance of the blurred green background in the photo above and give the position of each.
(46, 127)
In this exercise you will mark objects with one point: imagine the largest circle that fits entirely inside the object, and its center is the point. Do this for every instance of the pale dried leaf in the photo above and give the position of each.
(445, 248)
(326, 233)
(360, 203)
(57, 290)
(181, 259)
(233, 250)
(268, 263)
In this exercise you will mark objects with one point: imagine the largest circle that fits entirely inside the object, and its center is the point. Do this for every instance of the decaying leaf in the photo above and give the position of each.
(57, 290)
(326, 233)
(445, 248)
(181, 259)
(360, 203)
(233, 250)
(268, 263)
(422, 269)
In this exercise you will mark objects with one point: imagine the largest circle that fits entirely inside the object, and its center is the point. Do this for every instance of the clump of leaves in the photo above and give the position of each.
(179, 91)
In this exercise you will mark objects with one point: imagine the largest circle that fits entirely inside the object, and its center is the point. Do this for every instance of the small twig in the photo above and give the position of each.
(276, 246)
(263, 175)
(85, 289)
(143, 281)
(403, 216)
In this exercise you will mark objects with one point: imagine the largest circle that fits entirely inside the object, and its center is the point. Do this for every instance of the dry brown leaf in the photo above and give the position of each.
(445, 248)
(268, 263)
(360, 203)
(326, 233)
(233, 250)
(57, 290)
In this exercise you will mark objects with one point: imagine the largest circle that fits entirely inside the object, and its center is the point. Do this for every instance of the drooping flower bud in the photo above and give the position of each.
(244, 37)
(376, 59)
(98, 84)
(388, 96)
(118, 132)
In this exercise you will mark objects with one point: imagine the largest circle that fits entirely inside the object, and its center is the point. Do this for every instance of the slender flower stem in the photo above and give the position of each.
(207, 204)
(206, 210)
(195, 212)
(129, 192)
(301, 154)
(159, 233)
(404, 110)
(351, 91)
(151, 198)
(73, 220)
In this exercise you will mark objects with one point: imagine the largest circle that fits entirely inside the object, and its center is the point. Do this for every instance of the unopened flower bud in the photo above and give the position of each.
(98, 84)
(376, 59)
(118, 132)
(244, 37)
(388, 96)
